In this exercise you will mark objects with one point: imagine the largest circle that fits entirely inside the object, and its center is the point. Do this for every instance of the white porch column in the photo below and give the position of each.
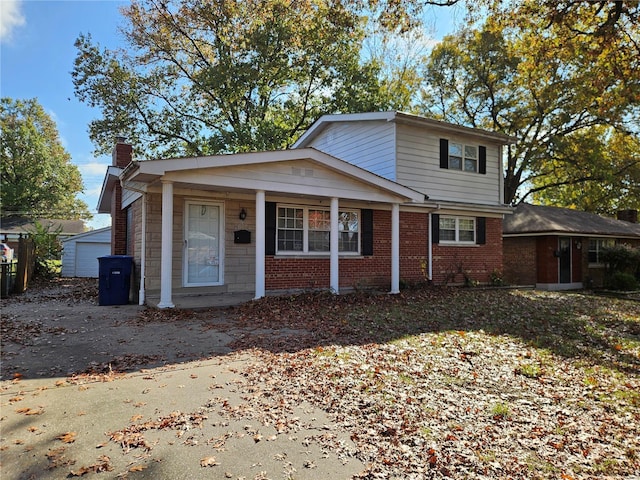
(333, 247)
(166, 250)
(260, 239)
(395, 248)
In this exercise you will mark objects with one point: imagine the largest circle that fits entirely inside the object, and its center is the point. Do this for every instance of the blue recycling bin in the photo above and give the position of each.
(114, 281)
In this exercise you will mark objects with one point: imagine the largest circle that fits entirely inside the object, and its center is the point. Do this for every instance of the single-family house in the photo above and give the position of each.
(14, 227)
(559, 248)
(365, 200)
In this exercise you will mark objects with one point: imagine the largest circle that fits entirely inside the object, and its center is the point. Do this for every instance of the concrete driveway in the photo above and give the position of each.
(124, 392)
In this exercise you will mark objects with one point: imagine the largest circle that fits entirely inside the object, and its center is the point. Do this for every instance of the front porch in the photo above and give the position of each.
(186, 203)
(203, 301)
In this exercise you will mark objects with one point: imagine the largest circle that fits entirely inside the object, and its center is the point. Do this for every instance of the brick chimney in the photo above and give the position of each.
(121, 157)
(628, 215)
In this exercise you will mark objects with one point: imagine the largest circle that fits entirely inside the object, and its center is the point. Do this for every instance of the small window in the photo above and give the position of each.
(596, 245)
(457, 230)
(290, 229)
(319, 230)
(463, 157)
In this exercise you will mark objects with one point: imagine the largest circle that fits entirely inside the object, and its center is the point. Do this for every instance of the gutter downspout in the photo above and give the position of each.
(430, 242)
(430, 254)
(143, 246)
(143, 251)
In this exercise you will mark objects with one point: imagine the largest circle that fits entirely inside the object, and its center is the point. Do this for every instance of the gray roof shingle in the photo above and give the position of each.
(536, 219)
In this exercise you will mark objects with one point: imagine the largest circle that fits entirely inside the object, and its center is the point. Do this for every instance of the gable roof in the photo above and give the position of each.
(110, 180)
(398, 117)
(18, 225)
(150, 171)
(87, 235)
(530, 219)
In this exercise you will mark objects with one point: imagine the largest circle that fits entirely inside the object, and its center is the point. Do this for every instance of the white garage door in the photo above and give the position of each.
(87, 254)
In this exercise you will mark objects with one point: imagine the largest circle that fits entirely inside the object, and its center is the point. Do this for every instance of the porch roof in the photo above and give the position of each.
(273, 171)
(538, 220)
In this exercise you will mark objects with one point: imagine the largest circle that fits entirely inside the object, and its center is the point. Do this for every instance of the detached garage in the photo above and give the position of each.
(80, 253)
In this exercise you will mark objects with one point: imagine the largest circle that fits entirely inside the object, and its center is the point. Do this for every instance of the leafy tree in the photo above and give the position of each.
(205, 77)
(610, 157)
(38, 178)
(559, 92)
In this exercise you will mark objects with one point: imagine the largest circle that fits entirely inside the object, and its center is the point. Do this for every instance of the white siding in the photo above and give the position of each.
(130, 196)
(369, 145)
(80, 254)
(419, 168)
(298, 177)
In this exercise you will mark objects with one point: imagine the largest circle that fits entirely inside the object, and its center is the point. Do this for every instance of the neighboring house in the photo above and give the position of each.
(559, 248)
(11, 228)
(361, 200)
(81, 252)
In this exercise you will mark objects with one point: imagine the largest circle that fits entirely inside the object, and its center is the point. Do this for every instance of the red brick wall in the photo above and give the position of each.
(478, 261)
(451, 264)
(121, 157)
(118, 224)
(356, 272)
(519, 260)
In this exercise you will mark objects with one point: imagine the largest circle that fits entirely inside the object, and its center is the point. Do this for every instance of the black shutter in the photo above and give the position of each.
(366, 232)
(270, 228)
(435, 228)
(482, 167)
(481, 230)
(444, 153)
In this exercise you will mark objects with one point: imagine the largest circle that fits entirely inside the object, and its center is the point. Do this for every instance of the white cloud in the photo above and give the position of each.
(10, 18)
(93, 169)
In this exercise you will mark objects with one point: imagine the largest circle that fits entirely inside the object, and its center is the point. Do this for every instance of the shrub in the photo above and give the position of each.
(622, 281)
(496, 278)
(621, 258)
(48, 250)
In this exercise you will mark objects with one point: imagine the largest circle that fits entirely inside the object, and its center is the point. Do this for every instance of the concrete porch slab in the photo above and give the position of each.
(203, 301)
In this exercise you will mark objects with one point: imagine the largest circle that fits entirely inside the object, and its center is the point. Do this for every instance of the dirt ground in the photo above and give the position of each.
(127, 392)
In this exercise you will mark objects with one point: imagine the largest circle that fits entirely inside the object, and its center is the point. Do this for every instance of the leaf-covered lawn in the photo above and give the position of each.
(461, 383)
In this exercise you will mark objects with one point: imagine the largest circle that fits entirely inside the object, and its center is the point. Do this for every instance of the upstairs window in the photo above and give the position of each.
(463, 157)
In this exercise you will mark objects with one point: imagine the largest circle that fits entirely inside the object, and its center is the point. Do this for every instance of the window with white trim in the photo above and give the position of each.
(596, 245)
(463, 157)
(308, 230)
(457, 229)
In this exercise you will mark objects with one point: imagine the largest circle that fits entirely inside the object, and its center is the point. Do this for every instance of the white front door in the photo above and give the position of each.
(204, 244)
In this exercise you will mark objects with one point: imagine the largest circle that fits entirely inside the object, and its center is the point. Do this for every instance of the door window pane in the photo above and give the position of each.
(203, 244)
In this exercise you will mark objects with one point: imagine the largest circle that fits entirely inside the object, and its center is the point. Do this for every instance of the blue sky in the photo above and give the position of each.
(36, 58)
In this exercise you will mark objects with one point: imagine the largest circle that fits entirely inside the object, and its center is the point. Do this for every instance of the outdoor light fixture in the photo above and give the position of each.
(578, 244)
(243, 214)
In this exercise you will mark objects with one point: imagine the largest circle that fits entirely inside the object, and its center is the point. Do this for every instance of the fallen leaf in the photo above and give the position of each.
(209, 462)
(68, 437)
(137, 468)
(29, 411)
